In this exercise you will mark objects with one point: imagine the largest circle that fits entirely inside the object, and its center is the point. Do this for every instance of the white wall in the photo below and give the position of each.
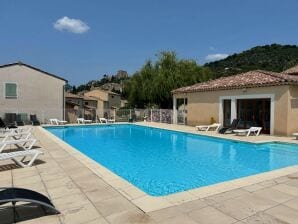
(38, 93)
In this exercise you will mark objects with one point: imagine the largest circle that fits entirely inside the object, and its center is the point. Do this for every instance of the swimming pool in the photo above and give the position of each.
(162, 162)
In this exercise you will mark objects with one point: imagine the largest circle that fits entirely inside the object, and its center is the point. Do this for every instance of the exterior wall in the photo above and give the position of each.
(75, 100)
(204, 105)
(38, 93)
(92, 103)
(293, 110)
(98, 93)
(105, 102)
(71, 113)
(114, 101)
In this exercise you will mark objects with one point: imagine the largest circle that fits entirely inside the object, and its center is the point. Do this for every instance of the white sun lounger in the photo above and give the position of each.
(17, 130)
(23, 154)
(103, 120)
(14, 136)
(26, 144)
(296, 135)
(55, 121)
(208, 127)
(83, 121)
(253, 130)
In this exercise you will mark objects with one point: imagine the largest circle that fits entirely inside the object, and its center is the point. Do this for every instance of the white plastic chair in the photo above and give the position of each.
(23, 154)
(208, 127)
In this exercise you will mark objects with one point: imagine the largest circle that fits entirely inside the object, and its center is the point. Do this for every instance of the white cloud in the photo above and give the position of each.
(215, 57)
(71, 25)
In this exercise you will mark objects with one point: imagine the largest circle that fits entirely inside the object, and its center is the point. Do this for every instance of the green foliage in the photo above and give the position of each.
(273, 57)
(152, 85)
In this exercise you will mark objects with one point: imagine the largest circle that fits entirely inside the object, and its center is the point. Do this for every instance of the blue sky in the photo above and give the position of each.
(110, 35)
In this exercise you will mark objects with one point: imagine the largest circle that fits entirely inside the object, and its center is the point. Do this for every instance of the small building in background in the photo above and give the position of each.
(78, 106)
(107, 102)
(26, 90)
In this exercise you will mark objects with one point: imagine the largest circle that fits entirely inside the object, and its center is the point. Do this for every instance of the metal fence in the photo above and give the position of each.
(71, 115)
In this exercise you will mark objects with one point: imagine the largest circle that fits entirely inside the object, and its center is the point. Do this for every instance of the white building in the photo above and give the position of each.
(26, 90)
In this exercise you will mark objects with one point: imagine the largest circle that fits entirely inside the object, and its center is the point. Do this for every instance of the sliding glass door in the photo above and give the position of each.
(254, 112)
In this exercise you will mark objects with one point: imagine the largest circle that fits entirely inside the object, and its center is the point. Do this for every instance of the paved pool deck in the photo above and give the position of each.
(86, 192)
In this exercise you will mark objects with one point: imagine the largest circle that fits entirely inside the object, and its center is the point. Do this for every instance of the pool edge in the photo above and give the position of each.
(149, 203)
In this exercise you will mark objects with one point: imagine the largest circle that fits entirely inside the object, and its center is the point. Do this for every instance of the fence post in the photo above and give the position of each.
(129, 113)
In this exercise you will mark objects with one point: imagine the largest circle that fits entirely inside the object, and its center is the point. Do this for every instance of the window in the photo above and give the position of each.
(10, 90)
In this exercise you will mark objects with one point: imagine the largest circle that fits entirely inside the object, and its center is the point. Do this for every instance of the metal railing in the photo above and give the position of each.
(71, 115)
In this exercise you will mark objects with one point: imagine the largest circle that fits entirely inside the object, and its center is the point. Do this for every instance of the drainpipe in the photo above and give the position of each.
(63, 103)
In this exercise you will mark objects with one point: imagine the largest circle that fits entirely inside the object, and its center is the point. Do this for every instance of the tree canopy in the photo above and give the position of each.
(153, 83)
(274, 57)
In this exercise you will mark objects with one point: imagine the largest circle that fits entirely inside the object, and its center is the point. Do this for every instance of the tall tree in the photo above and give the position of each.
(152, 85)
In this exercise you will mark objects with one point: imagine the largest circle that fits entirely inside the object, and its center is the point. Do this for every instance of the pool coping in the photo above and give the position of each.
(148, 203)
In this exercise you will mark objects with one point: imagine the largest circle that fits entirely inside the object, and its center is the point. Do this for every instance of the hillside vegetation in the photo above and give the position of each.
(273, 57)
(153, 83)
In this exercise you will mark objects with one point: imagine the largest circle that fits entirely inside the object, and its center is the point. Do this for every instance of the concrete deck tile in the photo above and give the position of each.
(286, 189)
(148, 203)
(292, 203)
(17, 173)
(284, 213)
(118, 183)
(26, 180)
(52, 176)
(63, 191)
(98, 221)
(178, 220)
(70, 201)
(268, 183)
(99, 195)
(79, 173)
(181, 197)
(293, 176)
(59, 182)
(225, 196)
(281, 180)
(53, 219)
(90, 183)
(5, 174)
(210, 215)
(113, 205)
(274, 195)
(133, 216)
(165, 213)
(254, 187)
(132, 192)
(191, 205)
(80, 214)
(262, 218)
(293, 183)
(244, 206)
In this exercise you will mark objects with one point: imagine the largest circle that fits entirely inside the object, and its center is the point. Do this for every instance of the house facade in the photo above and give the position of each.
(26, 90)
(256, 98)
(78, 106)
(107, 102)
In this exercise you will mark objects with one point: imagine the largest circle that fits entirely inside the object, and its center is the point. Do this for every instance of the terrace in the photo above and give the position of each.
(86, 192)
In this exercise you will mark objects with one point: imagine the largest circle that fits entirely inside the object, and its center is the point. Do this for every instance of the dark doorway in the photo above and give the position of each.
(254, 112)
(226, 113)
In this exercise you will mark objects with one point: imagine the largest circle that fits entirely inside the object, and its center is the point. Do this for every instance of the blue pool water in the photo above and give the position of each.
(162, 162)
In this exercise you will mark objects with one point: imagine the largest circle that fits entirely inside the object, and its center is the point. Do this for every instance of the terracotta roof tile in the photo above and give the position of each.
(249, 79)
(70, 95)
